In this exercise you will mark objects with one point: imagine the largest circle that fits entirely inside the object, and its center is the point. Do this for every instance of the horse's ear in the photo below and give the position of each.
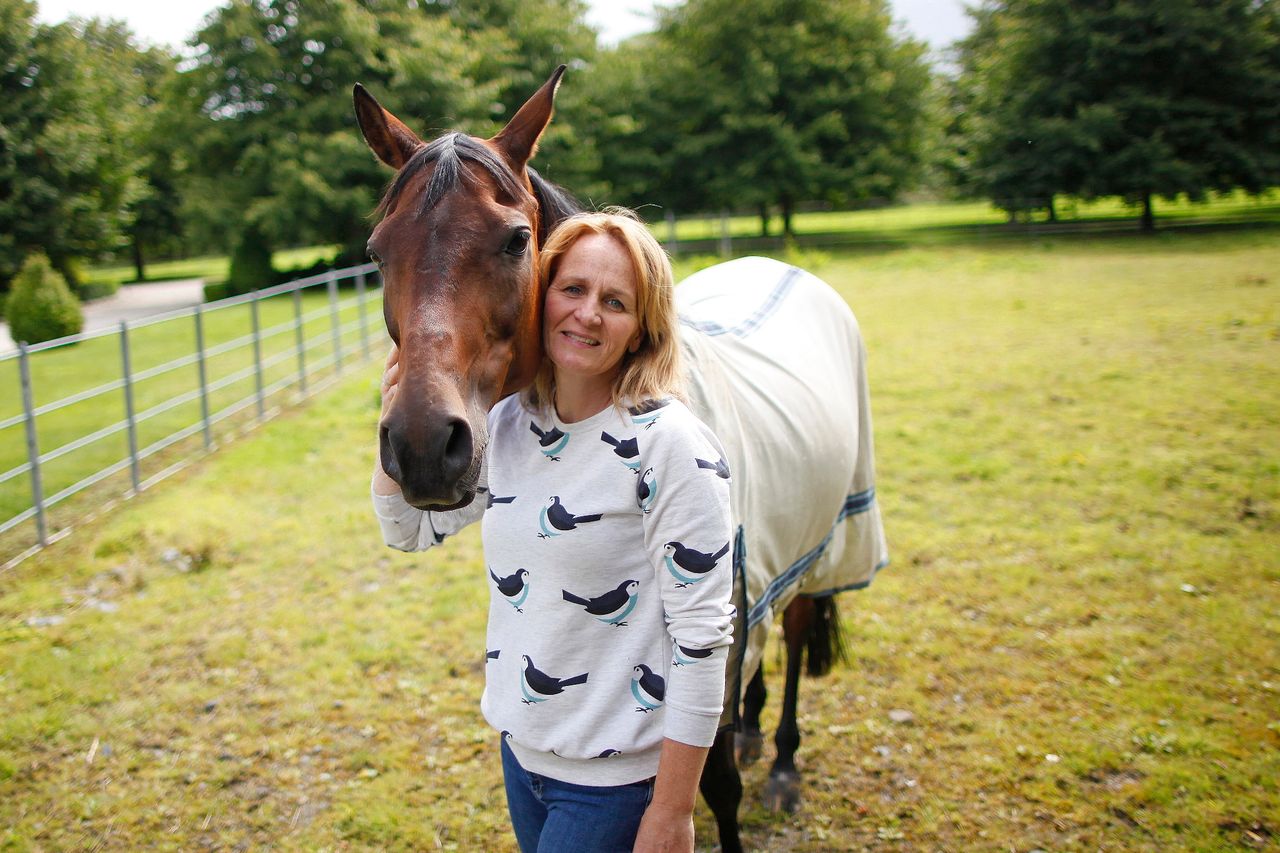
(386, 135)
(519, 139)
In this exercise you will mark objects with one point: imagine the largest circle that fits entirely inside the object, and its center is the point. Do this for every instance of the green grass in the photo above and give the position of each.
(66, 371)
(1079, 470)
(207, 267)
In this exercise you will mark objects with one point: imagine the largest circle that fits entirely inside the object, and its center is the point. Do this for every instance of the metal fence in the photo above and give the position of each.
(173, 376)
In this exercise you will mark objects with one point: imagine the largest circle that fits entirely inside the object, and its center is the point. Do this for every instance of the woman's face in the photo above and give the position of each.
(590, 318)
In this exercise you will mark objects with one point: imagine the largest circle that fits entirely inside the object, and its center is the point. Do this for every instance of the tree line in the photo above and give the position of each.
(245, 141)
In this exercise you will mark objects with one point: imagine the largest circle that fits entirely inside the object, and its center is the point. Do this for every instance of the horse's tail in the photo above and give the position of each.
(826, 640)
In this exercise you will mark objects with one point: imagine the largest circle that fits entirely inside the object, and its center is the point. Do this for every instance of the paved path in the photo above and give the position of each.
(130, 302)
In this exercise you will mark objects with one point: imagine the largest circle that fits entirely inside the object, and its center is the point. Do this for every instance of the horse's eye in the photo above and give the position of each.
(519, 242)
(373, 256)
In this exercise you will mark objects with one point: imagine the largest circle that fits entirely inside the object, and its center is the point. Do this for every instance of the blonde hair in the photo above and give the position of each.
(654, 370)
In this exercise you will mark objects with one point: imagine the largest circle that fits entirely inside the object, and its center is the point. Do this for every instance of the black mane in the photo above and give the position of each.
(448, 153)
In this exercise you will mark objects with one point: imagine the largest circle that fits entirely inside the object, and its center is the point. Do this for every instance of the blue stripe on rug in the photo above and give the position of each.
(853, 505)
(757, 319)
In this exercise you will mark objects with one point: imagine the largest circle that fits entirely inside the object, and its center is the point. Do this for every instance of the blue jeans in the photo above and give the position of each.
(550, 816)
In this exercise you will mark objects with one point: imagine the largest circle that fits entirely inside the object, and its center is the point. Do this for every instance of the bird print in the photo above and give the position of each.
(647, 421)
(514, 587)
(647, 687)
(555, 519)
(494, 499)
(613, 607)
(646, 490)
(626, 449)
(608, 753)
(685, 656)
(537, 686)
(551, 441)
(689, 566)
(719, 466)
(492, 654)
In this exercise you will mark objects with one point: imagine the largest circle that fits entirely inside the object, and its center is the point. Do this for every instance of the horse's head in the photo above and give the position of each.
(457, 247)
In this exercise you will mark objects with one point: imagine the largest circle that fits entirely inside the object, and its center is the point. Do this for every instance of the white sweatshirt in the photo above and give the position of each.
(610, 567)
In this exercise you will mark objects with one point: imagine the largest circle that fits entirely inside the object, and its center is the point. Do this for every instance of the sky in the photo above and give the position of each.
(937, 22)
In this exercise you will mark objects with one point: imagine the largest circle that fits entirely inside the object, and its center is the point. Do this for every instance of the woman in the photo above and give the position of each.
(606, 530)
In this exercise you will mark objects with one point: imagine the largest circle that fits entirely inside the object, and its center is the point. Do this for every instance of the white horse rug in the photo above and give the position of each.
(778, 370)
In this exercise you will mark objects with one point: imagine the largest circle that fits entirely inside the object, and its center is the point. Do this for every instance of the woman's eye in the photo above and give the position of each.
(616, 305)
(519, 243)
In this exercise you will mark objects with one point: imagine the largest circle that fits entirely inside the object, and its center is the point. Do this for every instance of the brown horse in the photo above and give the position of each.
(457, 245)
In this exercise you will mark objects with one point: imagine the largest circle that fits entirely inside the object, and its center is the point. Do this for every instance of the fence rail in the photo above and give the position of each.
(287, 338)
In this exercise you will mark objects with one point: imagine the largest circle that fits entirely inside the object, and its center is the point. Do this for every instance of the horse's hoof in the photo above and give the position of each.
(750, 748)
(782, 792)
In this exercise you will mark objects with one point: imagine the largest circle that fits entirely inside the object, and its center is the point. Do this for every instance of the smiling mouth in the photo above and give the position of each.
(590, 342)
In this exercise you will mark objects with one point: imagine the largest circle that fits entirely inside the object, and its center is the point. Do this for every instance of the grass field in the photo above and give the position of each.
(1079, 469)
(207, 267)
(67, 371)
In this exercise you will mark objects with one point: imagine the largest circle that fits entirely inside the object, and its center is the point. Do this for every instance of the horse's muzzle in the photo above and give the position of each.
(432, 458)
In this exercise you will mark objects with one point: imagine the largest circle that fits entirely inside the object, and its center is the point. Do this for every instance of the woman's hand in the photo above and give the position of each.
(665, 829)
(667, 825)
(390, 379)
(382, 484)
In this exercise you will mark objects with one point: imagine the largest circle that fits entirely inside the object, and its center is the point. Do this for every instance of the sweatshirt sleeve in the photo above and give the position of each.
(408, 528)
(689, 539)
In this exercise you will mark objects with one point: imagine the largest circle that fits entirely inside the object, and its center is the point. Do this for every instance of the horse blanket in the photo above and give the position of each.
(778, 370)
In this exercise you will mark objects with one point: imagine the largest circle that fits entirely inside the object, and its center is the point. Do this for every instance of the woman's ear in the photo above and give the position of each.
(634, 346)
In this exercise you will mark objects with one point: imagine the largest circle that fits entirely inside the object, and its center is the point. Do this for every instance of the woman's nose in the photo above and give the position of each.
(588, 311)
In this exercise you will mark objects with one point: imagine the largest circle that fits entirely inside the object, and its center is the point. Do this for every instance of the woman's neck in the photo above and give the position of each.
(576, 400)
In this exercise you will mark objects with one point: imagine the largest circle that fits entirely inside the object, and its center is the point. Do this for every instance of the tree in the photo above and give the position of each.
(1135, 98)
(275, 151)
(69, 97)
(780, 102)
(157, 209)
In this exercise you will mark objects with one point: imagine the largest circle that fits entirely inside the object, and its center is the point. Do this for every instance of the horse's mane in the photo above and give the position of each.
(448, 153)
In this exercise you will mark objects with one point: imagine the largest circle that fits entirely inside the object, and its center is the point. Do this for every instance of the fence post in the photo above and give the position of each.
(257, 354)
(726, 244)
(33, 446)
(332, 285)
(204, 379)
(673, 245)
(297, 334)
(127, 370)
(361, 296)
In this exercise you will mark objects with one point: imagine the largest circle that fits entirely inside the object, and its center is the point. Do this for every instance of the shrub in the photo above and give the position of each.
(41, 306)
(215, 290)
(250, 263)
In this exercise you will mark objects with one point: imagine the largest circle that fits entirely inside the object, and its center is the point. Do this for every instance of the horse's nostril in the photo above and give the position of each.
(386, 453)
(457, 448)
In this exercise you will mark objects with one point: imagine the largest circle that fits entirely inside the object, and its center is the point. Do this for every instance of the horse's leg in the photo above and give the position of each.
(751, 740)
(811, 628)
(782, 791)
(722, 789)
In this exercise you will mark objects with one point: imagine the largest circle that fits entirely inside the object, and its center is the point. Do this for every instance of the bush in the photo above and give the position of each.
(250, 263)
(41, 306)
(97, 289)
(215, 290)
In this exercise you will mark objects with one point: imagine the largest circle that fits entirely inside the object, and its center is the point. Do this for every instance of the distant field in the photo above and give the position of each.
(910, 220)
(1079, 469)
(209, 268)
(893, 220)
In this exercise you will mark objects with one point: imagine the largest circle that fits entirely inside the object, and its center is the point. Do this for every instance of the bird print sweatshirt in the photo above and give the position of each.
(609, 556)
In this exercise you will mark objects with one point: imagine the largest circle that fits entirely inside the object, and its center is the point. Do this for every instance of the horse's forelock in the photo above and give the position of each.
(448, 154)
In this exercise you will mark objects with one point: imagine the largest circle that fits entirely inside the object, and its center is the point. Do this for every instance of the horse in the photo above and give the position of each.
(776, 368)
